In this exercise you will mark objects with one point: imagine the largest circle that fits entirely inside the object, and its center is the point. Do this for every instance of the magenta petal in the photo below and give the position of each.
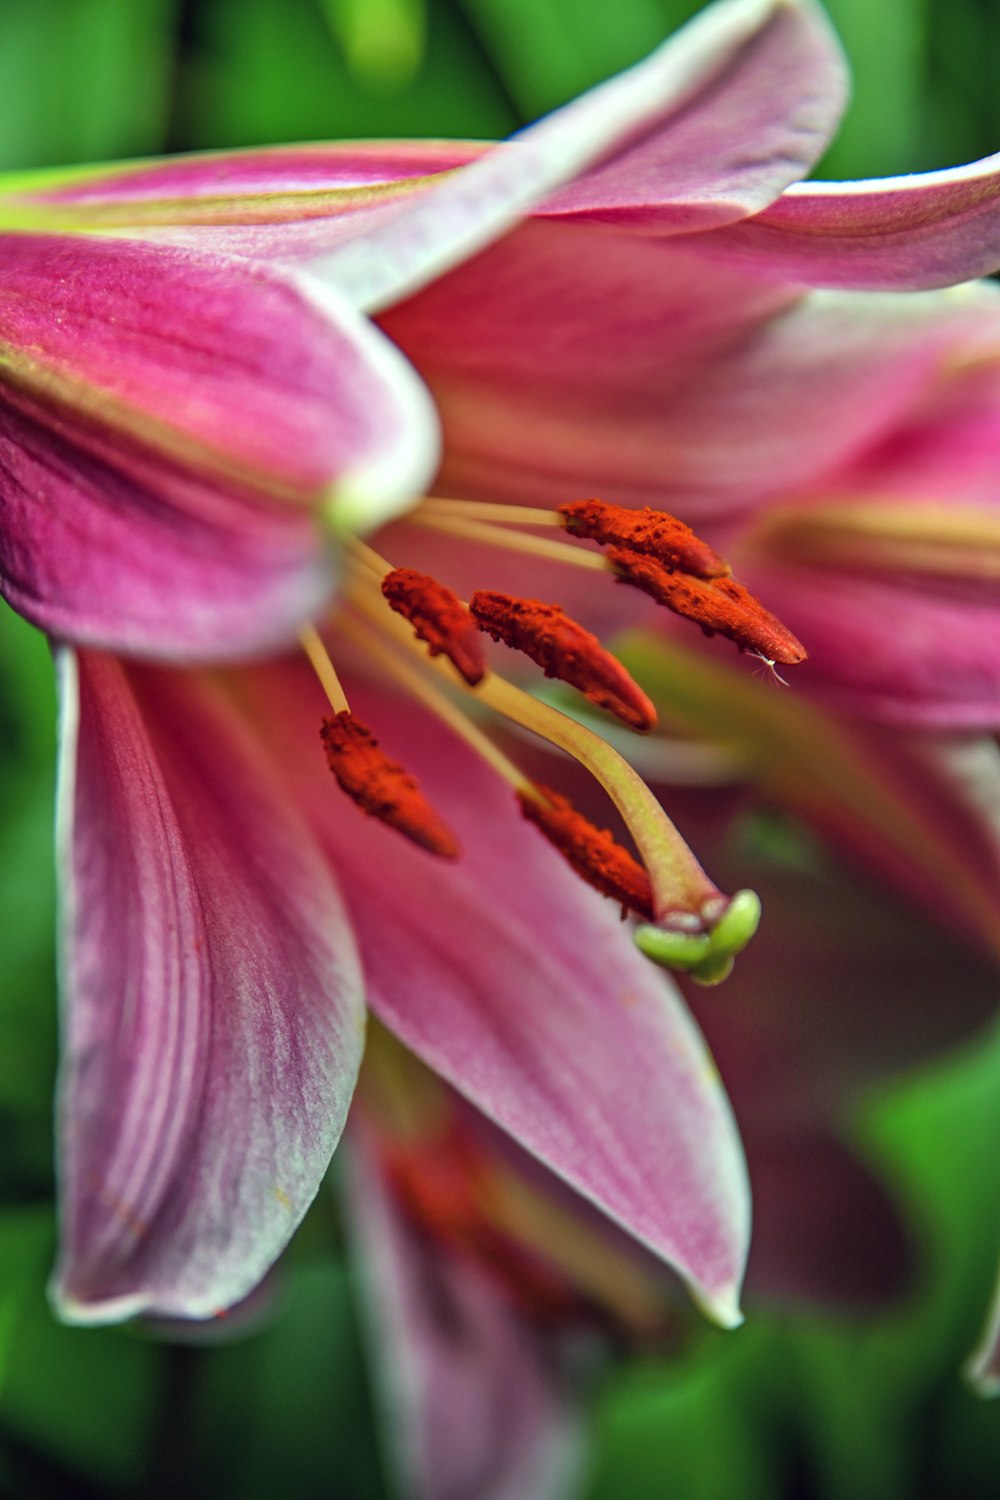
(213, 1008)
(474, 1402)
(521, 987)
(165, 422)
(931, 229)
(709, 127)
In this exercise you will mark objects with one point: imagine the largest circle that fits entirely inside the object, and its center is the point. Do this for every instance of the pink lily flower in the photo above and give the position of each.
(222, 369)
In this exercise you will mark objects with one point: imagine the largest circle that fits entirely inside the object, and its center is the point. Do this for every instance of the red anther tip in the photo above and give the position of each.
(654, 533)
(438, 618)
(592, 852)
(382, 788)
(719, 605)
(563, 649)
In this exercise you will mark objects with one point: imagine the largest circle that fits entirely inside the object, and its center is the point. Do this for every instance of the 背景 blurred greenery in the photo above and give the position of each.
(792, 1406)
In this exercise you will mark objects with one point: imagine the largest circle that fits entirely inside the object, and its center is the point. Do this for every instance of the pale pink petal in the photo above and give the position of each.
(165, 422)
(900, 651)
(213, 1010)
(983, 1368)
(522, 988)
(707, 130)
(256, 179)
(567, 362)
(752, 89)
(931, 229)
(475, 1403)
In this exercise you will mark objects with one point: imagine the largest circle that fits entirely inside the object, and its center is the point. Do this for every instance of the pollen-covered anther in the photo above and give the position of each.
(438, 618)
(592, 852)
(654, 533)
(563, 649)
(719, 605)
(382, 788)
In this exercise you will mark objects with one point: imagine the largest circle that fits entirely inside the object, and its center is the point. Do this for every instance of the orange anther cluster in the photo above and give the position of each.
(591, 852)
(563, 649)
(654, 533)
(719, 605)
(382, 788)
(438, 618)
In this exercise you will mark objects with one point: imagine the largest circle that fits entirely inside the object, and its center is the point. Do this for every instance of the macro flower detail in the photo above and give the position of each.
(266, 421)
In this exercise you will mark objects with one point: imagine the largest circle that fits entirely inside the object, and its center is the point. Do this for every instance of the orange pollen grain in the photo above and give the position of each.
(438, 618)
(563, 649)
(382, 788)
(719, 605)
(592, 852)
(654, 533)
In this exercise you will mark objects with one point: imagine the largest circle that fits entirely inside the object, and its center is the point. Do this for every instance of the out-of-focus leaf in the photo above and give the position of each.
(260, 71)
(85, 1397)
(549, 50)
(383, 41)
(694, 1430)
(284, 1412)
(82, 79)
(886, 44)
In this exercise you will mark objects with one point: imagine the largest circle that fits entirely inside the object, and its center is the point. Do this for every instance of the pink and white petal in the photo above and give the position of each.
(213, 1013)
(917, 652)
(706, 84)
(983, 1368)
(612, 406)
(521, 988)
(166, 421)
(475, 1401)
(931, 229)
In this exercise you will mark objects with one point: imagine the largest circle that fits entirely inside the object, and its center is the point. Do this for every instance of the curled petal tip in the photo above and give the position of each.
(721, 1307)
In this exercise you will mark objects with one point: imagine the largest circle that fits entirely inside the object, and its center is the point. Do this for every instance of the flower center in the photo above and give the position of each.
(431, 642)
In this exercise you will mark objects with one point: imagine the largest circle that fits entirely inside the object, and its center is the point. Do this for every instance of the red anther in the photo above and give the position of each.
(655, 533)
(438, 618)
(382, 788)
(592, 852)
(563, 649)
(718, 605)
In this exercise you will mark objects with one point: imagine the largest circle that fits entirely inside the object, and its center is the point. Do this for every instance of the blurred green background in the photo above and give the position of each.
(789, 1407)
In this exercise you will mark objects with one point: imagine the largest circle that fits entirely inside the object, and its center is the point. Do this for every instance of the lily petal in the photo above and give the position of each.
(214, 1015)
(165, 421)
(931, 229)
(769, 67)
(475, 1404)
(612, 371)
(521, 988)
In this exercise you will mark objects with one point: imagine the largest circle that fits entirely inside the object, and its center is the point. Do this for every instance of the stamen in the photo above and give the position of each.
(591, 851)
(654, 533)
(438, 618)
(381, 787)
(491, 510)
(563, 649)
(418, 685)
(500, 536)
(321, 664)
(719, 605)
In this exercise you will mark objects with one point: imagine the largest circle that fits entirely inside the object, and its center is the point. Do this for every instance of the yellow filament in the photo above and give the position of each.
(961, 541)
(420, 687)
(513, 541)
(488, 510)
(677, 878)
(321, 664)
